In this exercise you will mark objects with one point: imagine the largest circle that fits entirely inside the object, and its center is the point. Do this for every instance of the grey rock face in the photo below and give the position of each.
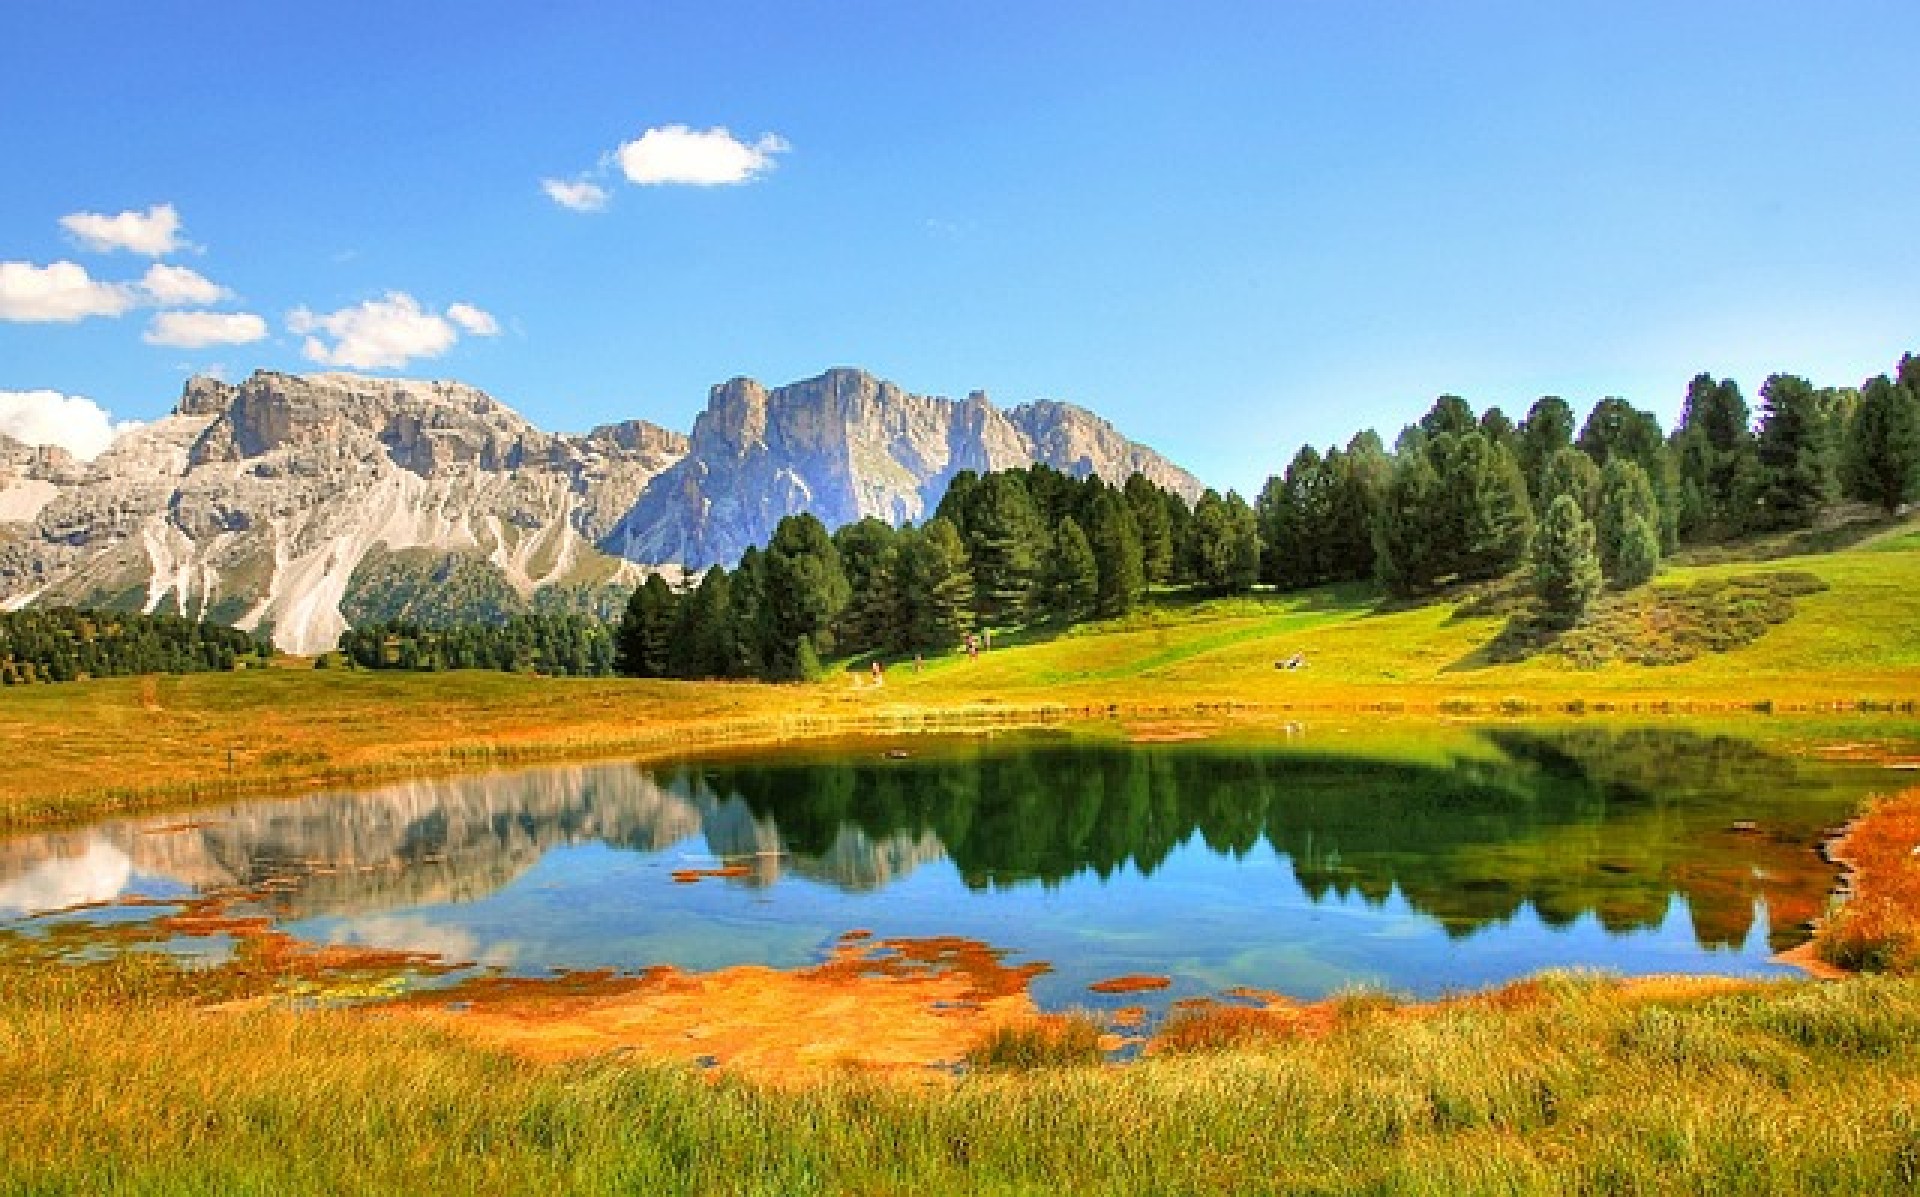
(845, 446)
(254, 503)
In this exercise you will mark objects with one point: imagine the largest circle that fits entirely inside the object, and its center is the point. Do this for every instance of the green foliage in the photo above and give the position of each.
(1547, 430)
(1150, 515)
(870, 555)
(64, 644)
(1882, 459)
(1566, 570)
(1455, 511)
(1626, 503)
(1638, 554)
(1795, 461)
(1717, 464)
(440, 590)
(1005, 541)
(1116, 553)
(1665, 625)
(805, 592)
(1225, 542)
(1072, 579)
(1572, 473)
(936, 587)
(644, 640)
(559, 645)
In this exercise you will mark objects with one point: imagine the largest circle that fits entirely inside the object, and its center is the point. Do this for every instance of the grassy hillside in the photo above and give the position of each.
(99, 745)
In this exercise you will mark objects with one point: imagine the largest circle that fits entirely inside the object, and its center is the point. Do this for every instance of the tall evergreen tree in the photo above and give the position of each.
(1407, 549)
(1293, 515)
(867, 551)
(1005, 541)
(746, 638)
(1547, 429)
(1571, 472)
(1484, 519)
(1714, 449)
(1796, 477)
(1072, 575)
(1225, 543)
(1116, 552)
(1566, 571)
(1627, 510)
(806, 590)
(1149, 508)
(1882, 459)
(1449, 414)
(936, 586)
(643, 644)
(1615, 428)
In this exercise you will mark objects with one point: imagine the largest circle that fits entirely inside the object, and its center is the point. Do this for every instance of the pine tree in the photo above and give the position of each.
(1714, 451)
(1795, 474)
(1484, 520)
(1570, 472)
(1149, 507)
(1004, 543)
(806, 590)
(1566, 571)
(1406, 552)
(645, 638)
(1072, 574)
(867, 551)
(1626, 498)
(1547, 429)
(1116, 552)
(1882, 459)
(936, 586)
(1638, 554)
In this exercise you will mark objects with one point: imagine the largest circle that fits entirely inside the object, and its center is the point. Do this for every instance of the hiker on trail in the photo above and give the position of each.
(988, 634)
(917, 662)
(879, 674)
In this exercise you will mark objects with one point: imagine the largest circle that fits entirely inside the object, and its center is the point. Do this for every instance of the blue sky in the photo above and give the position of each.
(1228, 227)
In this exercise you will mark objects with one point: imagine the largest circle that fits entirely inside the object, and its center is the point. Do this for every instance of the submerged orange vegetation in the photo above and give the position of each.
(903, 1007)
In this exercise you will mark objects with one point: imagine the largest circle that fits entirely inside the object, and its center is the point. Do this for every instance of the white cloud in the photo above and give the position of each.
(581, 195)
(177, 286)
(476, 322)
(60, 293)
(385, 333)
(155, 232)
(678, 154)
(197, 330)
(74, 423)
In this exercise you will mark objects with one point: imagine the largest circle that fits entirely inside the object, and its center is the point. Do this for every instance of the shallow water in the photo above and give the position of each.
(1421, 862)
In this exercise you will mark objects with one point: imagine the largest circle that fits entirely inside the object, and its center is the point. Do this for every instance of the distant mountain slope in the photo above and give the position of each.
(296, 502)
(847, 445)
(255, 504)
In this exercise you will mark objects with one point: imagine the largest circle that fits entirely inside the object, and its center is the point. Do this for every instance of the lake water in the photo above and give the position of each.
(1420, 862)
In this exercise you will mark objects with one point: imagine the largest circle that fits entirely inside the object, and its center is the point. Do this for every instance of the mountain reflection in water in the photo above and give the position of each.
(1622, 828)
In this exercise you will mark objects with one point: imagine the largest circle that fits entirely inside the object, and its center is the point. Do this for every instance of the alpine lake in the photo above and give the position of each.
(1300, 859)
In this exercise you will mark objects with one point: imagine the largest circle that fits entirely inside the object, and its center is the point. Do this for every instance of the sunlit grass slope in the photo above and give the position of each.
(101, 745)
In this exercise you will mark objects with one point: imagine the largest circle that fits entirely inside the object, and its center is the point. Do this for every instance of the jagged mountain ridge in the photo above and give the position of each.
(845, 446)
(275, 502)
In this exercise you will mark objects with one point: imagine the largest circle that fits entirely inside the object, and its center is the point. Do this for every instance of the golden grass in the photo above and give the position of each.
(113, 1080)
(1878, 927)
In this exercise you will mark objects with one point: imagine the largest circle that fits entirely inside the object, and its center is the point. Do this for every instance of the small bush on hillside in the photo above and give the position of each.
(1663, 625)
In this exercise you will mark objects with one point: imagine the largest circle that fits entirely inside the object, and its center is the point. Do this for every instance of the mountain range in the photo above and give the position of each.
(297, 505)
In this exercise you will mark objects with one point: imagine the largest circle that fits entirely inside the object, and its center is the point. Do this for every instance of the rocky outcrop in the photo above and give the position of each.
(845, 446)
(266, 503)
(255, 503)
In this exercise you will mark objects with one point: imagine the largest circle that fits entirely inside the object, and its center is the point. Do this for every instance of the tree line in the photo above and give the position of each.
(64, 644)
(1462, 496)
(558, 644)
(1466, 496)
(1005, 549)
